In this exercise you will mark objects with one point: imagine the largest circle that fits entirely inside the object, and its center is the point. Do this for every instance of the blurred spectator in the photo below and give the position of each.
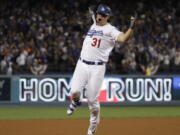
(9, 69)
(38, 67)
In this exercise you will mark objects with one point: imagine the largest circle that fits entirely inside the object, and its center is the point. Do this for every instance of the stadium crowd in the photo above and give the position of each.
(46, 36)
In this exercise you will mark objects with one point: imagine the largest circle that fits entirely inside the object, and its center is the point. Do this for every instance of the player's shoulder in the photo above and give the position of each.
(111, 27)
(108, 25)
(93, 25)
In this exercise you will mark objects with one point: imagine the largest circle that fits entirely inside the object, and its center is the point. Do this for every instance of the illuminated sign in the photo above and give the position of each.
(47, 90)
(176, 83)
(114, 89)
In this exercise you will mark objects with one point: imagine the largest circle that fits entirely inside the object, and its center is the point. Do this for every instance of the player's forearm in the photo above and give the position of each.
(125, 37)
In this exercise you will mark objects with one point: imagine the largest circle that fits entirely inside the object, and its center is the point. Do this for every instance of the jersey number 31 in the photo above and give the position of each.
(96, 42)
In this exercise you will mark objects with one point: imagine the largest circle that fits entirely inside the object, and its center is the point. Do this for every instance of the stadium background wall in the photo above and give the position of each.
(116, 90)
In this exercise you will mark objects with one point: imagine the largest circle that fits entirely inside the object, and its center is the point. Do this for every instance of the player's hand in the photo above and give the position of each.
(133, 21)
(91, 10)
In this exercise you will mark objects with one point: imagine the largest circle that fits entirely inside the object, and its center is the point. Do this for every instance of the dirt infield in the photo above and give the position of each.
(124, 126)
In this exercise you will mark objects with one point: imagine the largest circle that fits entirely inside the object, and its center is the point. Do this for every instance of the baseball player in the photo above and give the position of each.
(91, 66)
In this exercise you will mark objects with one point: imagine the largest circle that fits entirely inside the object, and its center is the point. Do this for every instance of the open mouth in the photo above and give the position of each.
(99, 19)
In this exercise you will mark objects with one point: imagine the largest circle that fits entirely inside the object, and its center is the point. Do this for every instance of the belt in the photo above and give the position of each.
(91, 62)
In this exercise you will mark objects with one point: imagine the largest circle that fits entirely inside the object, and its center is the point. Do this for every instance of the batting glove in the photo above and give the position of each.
(133, 21)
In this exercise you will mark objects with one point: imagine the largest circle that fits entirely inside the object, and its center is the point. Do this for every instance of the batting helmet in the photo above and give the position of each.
(104, 10)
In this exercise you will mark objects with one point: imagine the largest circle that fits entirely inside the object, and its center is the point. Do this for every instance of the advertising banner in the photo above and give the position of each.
(114, 89)
(176, 88)
(5, 89)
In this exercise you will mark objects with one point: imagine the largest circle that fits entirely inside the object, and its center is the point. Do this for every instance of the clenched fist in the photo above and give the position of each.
(132, 22)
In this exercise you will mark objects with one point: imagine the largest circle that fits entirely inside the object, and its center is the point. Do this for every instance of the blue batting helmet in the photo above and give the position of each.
(104, 10)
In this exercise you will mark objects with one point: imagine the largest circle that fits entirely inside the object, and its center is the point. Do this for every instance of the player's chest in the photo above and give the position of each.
(98, 32)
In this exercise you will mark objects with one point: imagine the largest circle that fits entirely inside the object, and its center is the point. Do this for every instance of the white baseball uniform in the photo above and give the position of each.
(90, 69)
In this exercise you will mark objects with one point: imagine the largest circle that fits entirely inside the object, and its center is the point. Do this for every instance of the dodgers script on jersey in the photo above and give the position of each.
(99, 42)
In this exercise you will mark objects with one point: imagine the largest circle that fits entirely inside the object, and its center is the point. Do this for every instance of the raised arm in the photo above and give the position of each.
(125, 36)
(92, 14)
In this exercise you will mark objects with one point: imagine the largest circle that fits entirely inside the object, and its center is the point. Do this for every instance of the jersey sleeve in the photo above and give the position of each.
(115, 33)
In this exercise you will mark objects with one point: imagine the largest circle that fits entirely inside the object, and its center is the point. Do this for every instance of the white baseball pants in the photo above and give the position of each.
(91, 77)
